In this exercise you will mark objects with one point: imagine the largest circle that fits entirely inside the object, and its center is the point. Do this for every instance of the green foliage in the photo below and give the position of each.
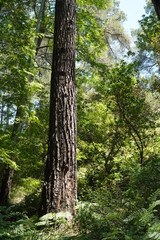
(98, 221)
(6, 159)
(90, 35)
(14, 224)
(128, 210)
(27, 191)
(99, 4)
(148, 41)
(52, 220)
(115, 125)
(17, 52)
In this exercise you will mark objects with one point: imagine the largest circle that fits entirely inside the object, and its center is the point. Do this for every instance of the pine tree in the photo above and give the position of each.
(60, 187)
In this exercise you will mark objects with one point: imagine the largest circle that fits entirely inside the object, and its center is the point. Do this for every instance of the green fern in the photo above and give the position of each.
(153, 232)
(155, 195)
(135, 215)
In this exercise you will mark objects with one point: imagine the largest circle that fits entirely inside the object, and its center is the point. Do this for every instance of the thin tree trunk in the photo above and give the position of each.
(8, 111)
(41, 27)
(2, 107)
(60, 184)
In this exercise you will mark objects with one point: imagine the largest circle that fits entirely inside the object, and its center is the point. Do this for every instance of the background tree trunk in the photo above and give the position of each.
(60, 184)
(6, 186)
(2, 107)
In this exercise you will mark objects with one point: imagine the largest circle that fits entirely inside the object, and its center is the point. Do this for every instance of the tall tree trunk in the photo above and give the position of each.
(60, 184)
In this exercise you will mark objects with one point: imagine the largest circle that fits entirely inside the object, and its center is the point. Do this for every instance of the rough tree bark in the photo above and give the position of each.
(59, 192)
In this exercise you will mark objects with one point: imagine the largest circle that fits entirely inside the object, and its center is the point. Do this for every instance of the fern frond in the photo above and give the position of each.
(154, 195)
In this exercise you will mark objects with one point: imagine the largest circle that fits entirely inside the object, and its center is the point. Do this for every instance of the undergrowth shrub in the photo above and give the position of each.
(32, 203)
(124, 209)
(15, 224)
(99, 221)
(18, 226)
